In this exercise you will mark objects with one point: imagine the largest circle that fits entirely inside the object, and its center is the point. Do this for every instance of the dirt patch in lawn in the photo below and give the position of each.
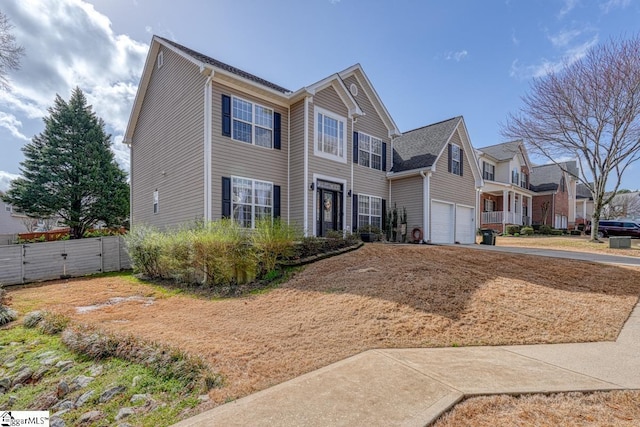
(616, 408)
(380, 296)
(569, 243)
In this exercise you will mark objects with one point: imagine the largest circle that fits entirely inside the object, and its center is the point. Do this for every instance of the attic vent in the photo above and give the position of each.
(160, 59)
(353, 89)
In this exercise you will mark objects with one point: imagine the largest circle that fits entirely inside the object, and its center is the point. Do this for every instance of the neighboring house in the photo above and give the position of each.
(584, 205)
(435, 176)
(554, 203)
(624, 205)
(209, 141)
(506, 198)
(11, 221)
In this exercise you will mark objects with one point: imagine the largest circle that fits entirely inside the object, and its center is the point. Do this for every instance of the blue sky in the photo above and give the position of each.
(429, 60)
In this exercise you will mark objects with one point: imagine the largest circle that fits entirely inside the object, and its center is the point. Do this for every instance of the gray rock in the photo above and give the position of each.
(110, 393)
(80, 382)
(5, 384)
(203, 398)
(55, 421)
(12, 401)
(17, 387)
(124, 425)
(49, 360)
(23, 376)
(64, 365)
(40, 373)
(139, 398)
(96, 370)
(124, 413)
(46, 354)
(90, 416)
(135, 381)
(62, 390)
(84, 398)
(65, 404)
(60, 413)
(10, 361)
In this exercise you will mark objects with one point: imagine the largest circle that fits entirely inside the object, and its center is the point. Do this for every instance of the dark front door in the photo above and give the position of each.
(328, 207)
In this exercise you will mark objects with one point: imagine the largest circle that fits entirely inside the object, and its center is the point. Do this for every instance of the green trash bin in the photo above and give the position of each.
(488, 236)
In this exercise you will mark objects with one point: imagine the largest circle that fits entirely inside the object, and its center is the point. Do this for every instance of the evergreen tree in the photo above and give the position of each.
(70, 171)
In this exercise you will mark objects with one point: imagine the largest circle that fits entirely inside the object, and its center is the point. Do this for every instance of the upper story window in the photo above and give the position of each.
(160, 59)
(488, 171)
(251, 201)
(8, 208)
(524, 180)
(155, 202)
(455, 159)
(515, 177)
(563, 185)
(369, 151)
(252, 123)
(330, 135)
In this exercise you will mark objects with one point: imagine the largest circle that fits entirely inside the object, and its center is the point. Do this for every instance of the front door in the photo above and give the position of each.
(328, 208)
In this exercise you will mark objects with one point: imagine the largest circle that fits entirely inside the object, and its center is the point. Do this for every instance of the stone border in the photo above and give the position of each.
(325, 255)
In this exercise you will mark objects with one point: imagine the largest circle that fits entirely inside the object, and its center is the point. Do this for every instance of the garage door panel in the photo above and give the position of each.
(441, 222)
(465, 230)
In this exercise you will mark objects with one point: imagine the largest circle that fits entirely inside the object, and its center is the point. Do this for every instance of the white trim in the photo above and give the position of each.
(382, 214)
(253, 90)
(288, 166)
(370, 151)
(156, 202)
(253, 203)
(455, 222)
(253, 123)
(208, 148)
(316, 177)
(341, 119)
(426, 217)
(453, 230)
(305, 202)
(352, 189)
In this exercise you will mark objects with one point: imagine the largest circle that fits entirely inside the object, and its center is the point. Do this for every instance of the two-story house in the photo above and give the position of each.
(554, 203)
(506, 198)
(209, 140)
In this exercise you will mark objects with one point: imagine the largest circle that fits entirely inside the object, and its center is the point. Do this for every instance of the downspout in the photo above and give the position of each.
(553, 208)
(352, 186)
(306, 167)
(208, 94)
(289, 165)
(426, 194)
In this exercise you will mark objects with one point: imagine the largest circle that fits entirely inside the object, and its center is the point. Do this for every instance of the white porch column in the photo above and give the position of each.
(505, 209)
(520, 197)
(530, 209)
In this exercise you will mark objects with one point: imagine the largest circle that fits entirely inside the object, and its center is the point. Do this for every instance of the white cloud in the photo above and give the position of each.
(564, 38)
(5, 179)
(334, 1)
(568, 6)
(11, 123)
(514, 39)
(456, 56)
(612, 4)
(67, 44)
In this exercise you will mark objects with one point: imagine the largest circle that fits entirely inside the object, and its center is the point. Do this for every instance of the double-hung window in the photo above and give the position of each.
(251, 201)
(489, 205)
(155, 202)
(252, 123)
(455, 159)
(489, 171)
(369, 151)
(515, 177)
(330, 135)
(369, 211)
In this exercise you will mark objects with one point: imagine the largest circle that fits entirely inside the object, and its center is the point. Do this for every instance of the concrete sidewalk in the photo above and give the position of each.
(413, 387)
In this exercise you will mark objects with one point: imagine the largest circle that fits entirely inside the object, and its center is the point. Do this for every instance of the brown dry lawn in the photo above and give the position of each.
(616, 408)
(568, 243)
(378, 296)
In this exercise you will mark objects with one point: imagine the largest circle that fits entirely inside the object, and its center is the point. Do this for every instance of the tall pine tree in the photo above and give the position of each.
(70, 171)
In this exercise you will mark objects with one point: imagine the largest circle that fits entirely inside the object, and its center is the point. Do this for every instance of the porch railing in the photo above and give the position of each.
(497, 217)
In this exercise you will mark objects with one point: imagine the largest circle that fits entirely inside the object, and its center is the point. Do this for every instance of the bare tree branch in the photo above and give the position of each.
(10, 52)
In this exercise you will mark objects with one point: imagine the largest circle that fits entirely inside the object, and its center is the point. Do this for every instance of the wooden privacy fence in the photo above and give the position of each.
(33, 262)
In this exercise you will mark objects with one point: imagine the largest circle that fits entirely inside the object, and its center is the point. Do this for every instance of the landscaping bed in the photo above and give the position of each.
(380, 296)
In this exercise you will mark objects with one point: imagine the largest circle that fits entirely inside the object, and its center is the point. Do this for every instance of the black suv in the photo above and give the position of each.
(608, 228)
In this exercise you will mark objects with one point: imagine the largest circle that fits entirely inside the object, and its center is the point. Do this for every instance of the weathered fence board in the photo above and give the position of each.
(52, 260)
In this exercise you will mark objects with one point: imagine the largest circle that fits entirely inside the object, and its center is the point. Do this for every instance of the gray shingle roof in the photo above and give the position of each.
(419, 148)
(503, 151)
(218, 64)
(547, 177)
(582, 192)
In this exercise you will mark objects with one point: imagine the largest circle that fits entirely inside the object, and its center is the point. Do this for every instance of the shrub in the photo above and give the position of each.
(526, 231)
(545, 229)
(513, 229)
(52, 323)
(32, 319)
(556, 232)
(145, 246)
(273, 240)
(6, 314)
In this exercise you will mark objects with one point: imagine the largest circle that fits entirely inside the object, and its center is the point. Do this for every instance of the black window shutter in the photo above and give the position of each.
(461, 160)
(355, 212)
(355, 147)
(384, 156)
(384, 214)
(276, 201)
(226, 115)
(276, 130)
(226, 197)
(484, 170)
(450, 159)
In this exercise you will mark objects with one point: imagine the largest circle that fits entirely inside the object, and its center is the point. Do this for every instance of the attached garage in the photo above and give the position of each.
(442, 222)
(465, 229)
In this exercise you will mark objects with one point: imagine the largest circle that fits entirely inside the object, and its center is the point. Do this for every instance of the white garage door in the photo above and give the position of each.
(465, 231)
(441, 222)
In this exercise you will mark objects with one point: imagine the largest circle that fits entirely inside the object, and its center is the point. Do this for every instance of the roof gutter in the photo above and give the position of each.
(426, 196)
(404, 174)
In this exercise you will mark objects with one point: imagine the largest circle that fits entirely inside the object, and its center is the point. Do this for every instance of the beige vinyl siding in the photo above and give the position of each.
(365, 179)
(167, 146)
(296, 178)
(329, 99)
(237, 158)
(446, 186)
(408, 193)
